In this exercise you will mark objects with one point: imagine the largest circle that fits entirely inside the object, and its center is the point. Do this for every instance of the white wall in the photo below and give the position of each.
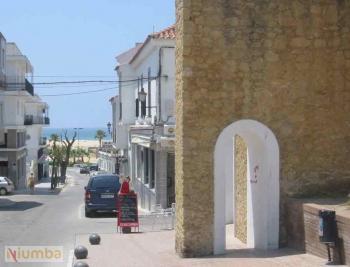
(17, 67)
(34, 132)
(262, 185)
(125, 99)
(14, 110)
(149, 58)
(168, 84)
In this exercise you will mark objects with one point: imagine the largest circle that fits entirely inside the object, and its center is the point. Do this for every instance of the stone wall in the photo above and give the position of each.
(284, 63)
(240, 186)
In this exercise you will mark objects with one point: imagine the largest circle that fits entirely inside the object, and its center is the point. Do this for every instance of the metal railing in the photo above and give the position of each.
(31, 119)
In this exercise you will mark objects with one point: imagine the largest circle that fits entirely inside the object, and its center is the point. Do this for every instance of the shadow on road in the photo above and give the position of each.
(21, 206)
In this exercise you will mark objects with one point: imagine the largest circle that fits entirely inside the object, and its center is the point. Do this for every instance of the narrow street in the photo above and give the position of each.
(50, 219)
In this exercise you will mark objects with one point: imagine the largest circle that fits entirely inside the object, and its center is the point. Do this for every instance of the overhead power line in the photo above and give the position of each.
(82, 92)
(86, 81)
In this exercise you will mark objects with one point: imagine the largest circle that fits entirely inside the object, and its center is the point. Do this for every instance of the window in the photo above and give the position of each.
(143, 109)
(105, 182)
(137, 108)
(120, 111)
(146, 166)
(149, 92)
(152, 170)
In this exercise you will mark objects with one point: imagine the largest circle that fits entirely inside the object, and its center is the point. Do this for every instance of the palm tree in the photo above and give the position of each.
(54, 138)
(100, 135)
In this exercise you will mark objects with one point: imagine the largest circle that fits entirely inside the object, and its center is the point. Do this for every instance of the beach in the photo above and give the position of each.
(86, 144)
(89, 145)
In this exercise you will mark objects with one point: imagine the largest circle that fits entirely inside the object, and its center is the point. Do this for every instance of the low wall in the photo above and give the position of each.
(302, 227)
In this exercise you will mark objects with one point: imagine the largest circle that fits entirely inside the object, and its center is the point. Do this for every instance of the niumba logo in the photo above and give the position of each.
(33, 254)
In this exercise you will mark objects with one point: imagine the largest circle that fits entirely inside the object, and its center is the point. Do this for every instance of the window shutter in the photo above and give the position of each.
(137, 108)
(143, 109)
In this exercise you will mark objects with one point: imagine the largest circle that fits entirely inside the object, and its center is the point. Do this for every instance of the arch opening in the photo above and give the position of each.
(262, 188)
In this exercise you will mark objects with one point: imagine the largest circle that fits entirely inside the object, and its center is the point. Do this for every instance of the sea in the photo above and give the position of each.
(84, 133)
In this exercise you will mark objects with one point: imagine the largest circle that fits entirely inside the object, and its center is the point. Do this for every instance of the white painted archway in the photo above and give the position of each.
(262, 185)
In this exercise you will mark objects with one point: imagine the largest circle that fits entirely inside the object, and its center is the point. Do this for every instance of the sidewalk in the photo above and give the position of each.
(43, 188)
(157, 249)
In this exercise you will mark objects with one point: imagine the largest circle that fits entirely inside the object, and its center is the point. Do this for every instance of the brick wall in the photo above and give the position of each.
(303, 235)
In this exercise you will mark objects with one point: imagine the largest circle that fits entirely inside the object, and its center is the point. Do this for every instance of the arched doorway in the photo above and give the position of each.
(262, 185)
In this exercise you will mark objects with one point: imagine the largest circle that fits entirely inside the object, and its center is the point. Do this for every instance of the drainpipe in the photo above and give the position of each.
(160, 82)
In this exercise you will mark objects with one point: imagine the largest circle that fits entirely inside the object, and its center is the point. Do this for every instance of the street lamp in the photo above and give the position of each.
(78, 133)
(109, 127)
(142, 95)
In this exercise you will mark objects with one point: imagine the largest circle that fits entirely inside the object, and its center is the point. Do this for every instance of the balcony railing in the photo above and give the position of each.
(28, 119)
(47, 120)
(31, 119)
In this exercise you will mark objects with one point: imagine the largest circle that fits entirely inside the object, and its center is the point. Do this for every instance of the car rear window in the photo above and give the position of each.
(8, 180)
(105, 181)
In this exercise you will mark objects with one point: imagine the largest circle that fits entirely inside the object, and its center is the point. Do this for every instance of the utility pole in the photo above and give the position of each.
(78, 133)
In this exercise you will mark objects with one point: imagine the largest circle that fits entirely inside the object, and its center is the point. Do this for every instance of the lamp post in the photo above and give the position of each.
(78, 134)
(142, 95)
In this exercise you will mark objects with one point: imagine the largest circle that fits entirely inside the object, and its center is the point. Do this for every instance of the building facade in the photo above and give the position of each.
(152, 137)
(144, 135)
(108, 154)
(23, 116)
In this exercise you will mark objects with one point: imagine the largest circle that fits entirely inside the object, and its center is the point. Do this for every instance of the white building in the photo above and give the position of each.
(145, 132)
(23, 116)
(2, 85)
(108, 155)
(125, 107)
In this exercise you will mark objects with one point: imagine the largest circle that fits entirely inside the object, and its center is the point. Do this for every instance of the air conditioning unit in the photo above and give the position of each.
(169, 130)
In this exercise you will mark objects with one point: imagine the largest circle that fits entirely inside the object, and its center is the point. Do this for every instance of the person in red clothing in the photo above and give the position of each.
(125, 188)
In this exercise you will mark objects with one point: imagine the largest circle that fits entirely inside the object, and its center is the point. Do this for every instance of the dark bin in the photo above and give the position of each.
(327, 226)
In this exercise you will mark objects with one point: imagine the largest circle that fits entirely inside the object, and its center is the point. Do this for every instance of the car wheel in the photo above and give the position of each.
(3, 191)
(89, 213)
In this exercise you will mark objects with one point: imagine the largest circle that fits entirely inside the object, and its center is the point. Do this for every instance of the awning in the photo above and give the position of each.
(142, 141)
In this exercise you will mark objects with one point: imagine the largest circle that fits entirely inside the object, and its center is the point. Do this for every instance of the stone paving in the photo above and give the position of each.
(157, 249)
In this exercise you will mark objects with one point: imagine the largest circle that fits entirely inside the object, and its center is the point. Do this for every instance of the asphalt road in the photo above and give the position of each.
(49, 219)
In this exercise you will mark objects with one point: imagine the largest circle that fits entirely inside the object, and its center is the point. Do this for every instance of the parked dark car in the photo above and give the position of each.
(84, 170)
(93, 168)
(101, 194)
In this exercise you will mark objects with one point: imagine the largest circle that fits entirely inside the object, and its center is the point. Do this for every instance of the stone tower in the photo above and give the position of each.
(282, 68)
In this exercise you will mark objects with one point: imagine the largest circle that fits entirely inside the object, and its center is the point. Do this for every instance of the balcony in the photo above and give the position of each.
(29, 87)
(31, 119)
(28, 119)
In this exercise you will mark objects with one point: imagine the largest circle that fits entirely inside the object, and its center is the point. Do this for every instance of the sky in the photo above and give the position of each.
(78, 40)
